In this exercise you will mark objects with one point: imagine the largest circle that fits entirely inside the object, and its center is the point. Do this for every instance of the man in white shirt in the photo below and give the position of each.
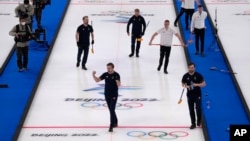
(189, 10)
(198, 28)
(165, 43)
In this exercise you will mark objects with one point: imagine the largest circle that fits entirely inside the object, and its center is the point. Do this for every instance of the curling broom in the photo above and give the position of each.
(226, 71)
(140, 39)
(180, 100)
(92, 49)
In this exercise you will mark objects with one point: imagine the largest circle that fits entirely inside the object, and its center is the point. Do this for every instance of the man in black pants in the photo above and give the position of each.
(182, 11)
(165, 43)
(22, 35)
(112, 82)
(189, 10)
(82, 38)
(193, 81)
(138, 30)
(39, 5)
(198, 28)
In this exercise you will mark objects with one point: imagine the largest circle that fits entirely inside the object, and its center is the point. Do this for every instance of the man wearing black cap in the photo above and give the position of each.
(22, 34)
(25, 10)
(138, 30)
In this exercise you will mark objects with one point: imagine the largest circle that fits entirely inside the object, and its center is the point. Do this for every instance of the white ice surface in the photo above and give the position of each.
(142, 85)
(8, 21)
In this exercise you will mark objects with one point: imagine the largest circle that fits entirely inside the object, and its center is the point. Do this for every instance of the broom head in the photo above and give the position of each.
(179, 102)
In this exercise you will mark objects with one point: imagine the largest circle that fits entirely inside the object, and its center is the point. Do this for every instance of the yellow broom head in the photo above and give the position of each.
(139, 39)
(179, 102)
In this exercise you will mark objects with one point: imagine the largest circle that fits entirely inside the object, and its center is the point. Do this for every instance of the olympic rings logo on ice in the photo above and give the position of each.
(158, 134)
(119, 106)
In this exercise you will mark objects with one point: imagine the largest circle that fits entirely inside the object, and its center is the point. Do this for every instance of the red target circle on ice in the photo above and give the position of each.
(133, 104)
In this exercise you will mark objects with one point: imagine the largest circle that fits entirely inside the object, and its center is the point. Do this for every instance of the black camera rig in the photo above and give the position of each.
(39, 36)
(22, 13)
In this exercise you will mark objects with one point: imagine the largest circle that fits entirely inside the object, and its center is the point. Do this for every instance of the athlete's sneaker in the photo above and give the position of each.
(115, 125)
(203, 54)
(110, 129)
(84, 68)
(199, 124)
(159, 68)
(20, 70)
(166, 72)
(25, 68)
(192, 126)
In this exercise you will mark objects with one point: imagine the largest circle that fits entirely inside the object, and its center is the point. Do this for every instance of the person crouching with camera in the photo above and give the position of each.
(22, 34)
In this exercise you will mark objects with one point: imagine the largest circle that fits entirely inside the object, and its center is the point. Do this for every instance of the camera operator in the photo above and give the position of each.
(25, 9)
(39, 5)
(22, 34)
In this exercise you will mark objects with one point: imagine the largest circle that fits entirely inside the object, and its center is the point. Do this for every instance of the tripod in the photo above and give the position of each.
(215, 32)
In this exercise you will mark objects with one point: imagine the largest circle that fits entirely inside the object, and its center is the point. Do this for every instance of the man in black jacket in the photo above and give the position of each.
(193, 82)
(138, 29)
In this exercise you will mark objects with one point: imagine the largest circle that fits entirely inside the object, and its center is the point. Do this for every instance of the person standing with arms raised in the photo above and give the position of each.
(83, 33)
(112, 82)
(138, 30)
(193, 81)
(165, 43)
(198, 28)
